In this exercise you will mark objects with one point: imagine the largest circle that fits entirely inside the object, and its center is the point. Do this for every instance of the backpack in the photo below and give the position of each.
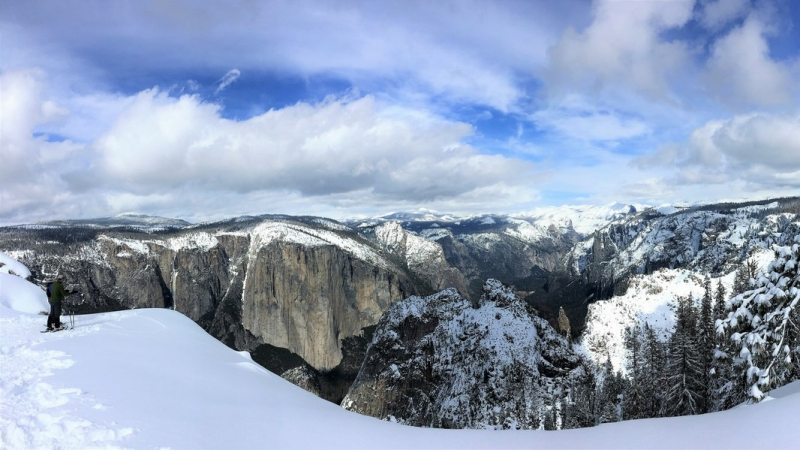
(49, 289)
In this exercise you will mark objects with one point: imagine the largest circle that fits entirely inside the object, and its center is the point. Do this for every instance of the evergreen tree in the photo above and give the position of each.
(705, 346)
(581, 410)
(634, 405)
(762, 324)
(684, 370)
(719, 301)
(745, 276)
(654, 379)
(723, 390)
(610, 395)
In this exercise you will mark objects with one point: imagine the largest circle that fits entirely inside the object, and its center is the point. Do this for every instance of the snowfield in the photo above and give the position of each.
(152, 378)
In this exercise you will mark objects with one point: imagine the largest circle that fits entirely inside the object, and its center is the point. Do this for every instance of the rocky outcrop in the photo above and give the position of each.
(304, 377)
(423, 257)
(439, 361)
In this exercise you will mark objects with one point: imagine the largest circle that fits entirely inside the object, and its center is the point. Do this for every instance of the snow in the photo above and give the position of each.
(526, 232)
(151, 378)
(11, 266)
(585, 219)
(270, 231)
(488, 220)
(648, 299)
(21, 296)
(416, 250)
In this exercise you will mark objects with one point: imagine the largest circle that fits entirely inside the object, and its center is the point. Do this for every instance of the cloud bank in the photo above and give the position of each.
(162, 149)
(360, 108)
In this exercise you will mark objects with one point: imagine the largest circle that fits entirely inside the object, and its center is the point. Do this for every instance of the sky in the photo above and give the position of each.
(206, 110)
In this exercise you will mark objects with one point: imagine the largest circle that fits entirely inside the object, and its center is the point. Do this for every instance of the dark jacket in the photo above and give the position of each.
(57, 293)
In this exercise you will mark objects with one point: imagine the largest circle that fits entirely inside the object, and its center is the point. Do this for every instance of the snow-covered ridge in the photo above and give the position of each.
(491, 362)
(527, 232)
(198, 240)
(697, 239)
(262, 234)
(270, 231)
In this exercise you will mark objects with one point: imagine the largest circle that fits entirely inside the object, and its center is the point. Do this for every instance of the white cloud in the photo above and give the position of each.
(740, 71)
(762, 150)
(231, 76)
(161, 154)
(621, 49)
(337, 146)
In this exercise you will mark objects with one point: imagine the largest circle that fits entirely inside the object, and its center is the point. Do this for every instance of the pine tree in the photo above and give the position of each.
(634, 405)
(581, 410)
(611, 390)
(684, 371)
(724, 392)
(705, 347)
(653, 379)
(719, 301)
(744, 277)
(762, 324)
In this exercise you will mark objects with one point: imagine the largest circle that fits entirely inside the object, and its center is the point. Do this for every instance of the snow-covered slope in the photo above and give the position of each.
(153, 379)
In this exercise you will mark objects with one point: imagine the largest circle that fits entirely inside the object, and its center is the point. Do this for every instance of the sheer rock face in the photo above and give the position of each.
(295, 285)
(306, 299)
(440, 362)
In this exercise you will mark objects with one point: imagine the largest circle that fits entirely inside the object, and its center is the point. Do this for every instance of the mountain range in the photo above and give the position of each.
(305, 295)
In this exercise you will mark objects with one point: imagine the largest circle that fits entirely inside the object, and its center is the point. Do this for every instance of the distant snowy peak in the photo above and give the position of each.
(584, 219)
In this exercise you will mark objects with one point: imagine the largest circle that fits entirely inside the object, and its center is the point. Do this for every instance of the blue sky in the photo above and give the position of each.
(206, 110)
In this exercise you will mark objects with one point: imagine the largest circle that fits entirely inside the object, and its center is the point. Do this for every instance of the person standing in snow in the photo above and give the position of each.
(56, 294)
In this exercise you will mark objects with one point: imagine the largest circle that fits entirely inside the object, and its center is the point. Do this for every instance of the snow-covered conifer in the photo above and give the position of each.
(762, 324)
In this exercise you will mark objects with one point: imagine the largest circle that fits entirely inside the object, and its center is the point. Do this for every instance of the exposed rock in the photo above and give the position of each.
(423, 257)
(303, 377)
(439, 362)
(306, 299)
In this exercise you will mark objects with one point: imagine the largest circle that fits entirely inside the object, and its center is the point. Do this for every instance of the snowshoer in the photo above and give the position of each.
(56, 293)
